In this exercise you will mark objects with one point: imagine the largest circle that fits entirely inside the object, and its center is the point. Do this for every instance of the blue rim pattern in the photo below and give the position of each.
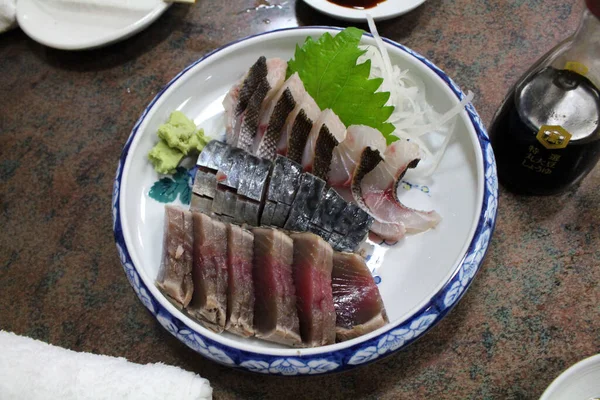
(361, 353)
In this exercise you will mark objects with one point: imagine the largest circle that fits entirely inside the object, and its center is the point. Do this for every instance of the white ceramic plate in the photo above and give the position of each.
(73, 25)
(580, 382)
(420, 278)
(386, 10)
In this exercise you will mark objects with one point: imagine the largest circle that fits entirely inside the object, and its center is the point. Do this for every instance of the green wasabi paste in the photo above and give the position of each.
(179, 137)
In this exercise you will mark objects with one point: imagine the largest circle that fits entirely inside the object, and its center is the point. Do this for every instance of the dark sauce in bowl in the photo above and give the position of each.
(357, 4)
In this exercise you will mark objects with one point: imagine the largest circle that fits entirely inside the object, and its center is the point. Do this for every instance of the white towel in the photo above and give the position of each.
(8, 15)
(34, 370)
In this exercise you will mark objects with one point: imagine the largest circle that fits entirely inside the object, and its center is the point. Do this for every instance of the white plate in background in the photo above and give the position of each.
(580, 382)
(85, 24)
(387, 9)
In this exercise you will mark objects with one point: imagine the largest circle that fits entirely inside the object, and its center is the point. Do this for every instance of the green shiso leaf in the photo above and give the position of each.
(328, 69)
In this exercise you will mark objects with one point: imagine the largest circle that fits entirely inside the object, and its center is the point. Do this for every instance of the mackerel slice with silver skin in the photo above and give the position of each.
(283, 184)
(210, 275)
(267, 88)
(305, 204)
(175, 273)
(334, 126)
(260, 179)
(312, 268)
(240, 289)
(201, 204)
(274, 116)
(358, 304)
(238, 97)
(231, 168)
(329, 211)
(353, 226)
(275, 315)
(205, 184)
(297, 127)
(212, 155)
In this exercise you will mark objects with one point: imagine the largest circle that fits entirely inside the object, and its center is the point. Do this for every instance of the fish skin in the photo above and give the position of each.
(247, 175)
(240, 288)
(369, 160)
(335, 127)
(250, 119)
(311, 270)
(238, 97)
(268, 144)
(308, 108)
(358, 304)
(267, 214)
(275, 314)
(298, 137)
(201, 204)
(284, 181)
(305, 203)
(329, 210)
(240, 206)
(252, 212)
(280, 215)
(212, 155)
(347, 154)
(229, 170)
(378, 191)
(205, 184)
(209, 301)
(260, 179)
(175, 273)
(325, 144)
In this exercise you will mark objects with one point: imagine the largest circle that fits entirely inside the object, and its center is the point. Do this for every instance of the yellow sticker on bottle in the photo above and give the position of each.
(577, 67)
(553, 137)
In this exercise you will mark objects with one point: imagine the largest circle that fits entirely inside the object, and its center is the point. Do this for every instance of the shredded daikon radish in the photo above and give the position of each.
(413, 116)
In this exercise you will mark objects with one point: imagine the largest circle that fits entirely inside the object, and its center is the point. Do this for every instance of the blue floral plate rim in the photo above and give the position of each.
(322, 360)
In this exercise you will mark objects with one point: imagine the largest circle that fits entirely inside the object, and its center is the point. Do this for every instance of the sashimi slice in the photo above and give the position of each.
(209, 302)
(356, 298)
(238, 97)
(333, 125)
(175, 274)
(274, 115)
(312, 277)
(267, 88)
(240, 289)
(347, 154)
(275, 315)
(297, 127)
(375, 190)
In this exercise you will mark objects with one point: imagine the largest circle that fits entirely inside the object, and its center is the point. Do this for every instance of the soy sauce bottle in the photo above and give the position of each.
(546, 134)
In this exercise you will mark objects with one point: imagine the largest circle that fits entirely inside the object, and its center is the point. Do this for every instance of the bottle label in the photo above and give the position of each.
(536, 161)
(577, 67)
(553, 137)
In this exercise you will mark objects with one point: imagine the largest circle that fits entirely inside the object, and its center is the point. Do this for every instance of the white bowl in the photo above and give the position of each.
(580, 382)
(420, 278)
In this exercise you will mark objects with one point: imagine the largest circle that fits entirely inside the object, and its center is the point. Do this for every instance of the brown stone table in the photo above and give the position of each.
(533, 309)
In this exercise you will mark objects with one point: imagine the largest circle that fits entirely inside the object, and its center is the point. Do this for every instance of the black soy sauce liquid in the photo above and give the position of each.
(358, 4)
(550, 97)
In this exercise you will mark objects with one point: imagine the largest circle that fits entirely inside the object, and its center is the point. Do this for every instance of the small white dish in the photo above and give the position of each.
(580, 382)
(388, 9)
(72, 25)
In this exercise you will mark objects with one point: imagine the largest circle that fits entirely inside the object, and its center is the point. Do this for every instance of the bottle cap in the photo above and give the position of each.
(594, 7)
